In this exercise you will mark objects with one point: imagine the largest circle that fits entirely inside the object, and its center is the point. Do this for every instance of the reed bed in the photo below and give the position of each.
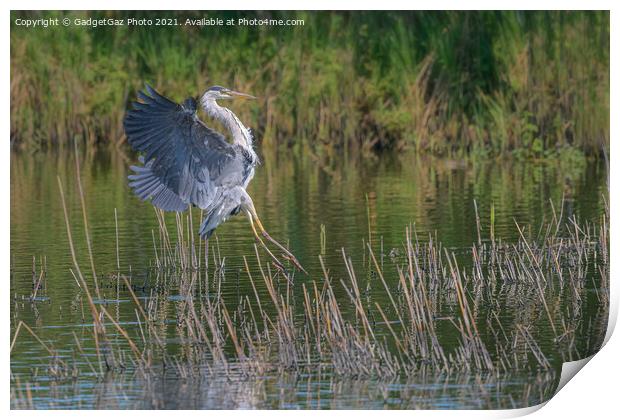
(384, 330)
(421, 310)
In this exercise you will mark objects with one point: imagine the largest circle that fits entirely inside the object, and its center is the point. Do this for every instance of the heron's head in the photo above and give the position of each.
(219, 92)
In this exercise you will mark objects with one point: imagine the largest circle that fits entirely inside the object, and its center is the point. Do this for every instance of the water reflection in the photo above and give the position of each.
(291, 391)
(349, 201)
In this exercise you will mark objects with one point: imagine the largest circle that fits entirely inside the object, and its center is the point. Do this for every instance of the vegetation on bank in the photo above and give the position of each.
(526, 83)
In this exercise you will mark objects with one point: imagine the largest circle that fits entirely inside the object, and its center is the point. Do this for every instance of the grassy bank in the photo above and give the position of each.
(528, 83)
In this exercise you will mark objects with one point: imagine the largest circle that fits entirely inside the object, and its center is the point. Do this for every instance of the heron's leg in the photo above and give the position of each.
(288, 255)
(259, 239)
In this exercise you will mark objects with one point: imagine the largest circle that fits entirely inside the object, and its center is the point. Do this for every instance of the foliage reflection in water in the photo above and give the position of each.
(385, 318)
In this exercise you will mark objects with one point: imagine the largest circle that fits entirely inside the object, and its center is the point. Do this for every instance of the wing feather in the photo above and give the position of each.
(146, 185)
(184, 160)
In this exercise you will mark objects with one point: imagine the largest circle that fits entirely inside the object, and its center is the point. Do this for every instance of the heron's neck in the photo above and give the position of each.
(240, 133)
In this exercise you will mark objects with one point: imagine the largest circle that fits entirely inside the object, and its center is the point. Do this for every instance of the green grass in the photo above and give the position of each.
(532, 84)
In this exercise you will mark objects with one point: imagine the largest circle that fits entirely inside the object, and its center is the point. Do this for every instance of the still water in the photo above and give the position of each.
(318, 205)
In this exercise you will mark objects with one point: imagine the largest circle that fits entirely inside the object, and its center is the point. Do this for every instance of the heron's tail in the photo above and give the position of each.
(146, 185)
(210, 222)
(205, 230)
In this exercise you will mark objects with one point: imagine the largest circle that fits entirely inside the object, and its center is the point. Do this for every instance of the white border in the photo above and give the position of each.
(592, 395)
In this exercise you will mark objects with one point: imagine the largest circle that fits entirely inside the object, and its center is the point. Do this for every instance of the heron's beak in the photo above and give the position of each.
(241, 95)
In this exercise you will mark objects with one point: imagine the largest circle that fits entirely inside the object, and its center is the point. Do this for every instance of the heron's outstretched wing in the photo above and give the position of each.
(148, 185)
(185, 161)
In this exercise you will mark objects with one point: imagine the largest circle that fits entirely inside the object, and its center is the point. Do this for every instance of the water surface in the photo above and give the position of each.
(350, 200)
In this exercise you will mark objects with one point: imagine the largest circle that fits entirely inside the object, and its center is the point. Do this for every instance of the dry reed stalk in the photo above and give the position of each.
(534, 260)
(134, 348)
(36, 337)
(98, 327)
(85, 219)
(118, 260)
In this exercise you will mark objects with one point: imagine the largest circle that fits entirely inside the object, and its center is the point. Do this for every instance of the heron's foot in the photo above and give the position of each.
(278, 265)
(288, 255)
(293, 260)
(274, 260)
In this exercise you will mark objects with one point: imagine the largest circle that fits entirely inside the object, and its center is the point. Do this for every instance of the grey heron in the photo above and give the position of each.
(185, 163)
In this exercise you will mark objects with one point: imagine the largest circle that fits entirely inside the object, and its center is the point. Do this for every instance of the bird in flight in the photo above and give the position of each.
(185, 163)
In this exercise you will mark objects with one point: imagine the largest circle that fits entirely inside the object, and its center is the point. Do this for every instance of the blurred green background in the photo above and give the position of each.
(531, 84)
